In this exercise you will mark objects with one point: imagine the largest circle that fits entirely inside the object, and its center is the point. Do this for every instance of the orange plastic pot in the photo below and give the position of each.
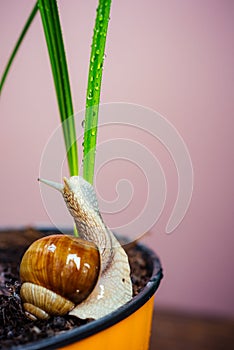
(129, 327)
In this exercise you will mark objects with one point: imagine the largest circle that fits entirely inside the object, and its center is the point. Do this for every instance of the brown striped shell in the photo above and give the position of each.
(65, 266)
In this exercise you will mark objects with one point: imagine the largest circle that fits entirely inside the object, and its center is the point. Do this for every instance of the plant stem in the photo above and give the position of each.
(19, 41)
(53, 35)
(94, 88)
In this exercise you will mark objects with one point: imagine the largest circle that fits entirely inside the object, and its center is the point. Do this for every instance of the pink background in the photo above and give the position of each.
(174, 56)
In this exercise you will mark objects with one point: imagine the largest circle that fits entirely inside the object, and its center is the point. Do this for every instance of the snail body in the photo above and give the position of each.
(114, 287)
(110, 284)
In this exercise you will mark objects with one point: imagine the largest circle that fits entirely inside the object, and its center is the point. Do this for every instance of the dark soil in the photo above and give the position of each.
(15, 327)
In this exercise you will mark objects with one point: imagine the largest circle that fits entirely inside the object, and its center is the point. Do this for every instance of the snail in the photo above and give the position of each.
(108, 284)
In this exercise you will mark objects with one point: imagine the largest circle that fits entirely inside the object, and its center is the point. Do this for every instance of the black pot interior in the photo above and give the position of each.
(16, 244)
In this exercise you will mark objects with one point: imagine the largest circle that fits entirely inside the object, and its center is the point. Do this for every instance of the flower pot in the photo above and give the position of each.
(127, 328)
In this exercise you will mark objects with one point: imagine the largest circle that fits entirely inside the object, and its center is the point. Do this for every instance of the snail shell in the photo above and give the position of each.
(58, 272)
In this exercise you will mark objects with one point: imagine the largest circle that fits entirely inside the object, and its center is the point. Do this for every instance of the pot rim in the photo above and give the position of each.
(96, 326)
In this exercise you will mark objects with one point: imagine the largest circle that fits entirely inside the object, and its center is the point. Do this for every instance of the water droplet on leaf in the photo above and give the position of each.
(90, 95)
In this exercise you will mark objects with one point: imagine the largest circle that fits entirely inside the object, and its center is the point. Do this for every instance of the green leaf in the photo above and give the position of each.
(94, 88)
(54, 40)
(19, 41)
